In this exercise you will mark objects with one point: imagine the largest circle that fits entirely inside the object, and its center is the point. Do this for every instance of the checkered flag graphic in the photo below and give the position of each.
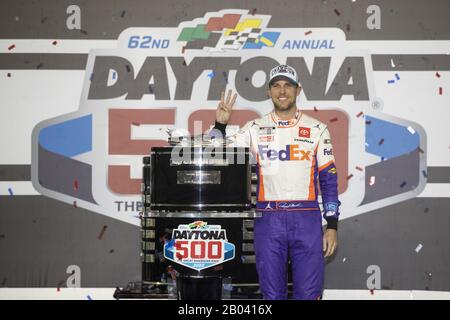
(236, 39)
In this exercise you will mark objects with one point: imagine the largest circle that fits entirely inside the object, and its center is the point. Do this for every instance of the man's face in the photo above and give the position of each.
(284, 94)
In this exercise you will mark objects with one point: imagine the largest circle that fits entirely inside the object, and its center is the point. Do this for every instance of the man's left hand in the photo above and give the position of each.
(329, 242)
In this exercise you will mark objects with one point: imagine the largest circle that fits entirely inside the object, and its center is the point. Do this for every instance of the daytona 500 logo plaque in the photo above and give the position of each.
(199, 246)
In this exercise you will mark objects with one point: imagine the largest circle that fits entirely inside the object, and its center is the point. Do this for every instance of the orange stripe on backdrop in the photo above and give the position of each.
(325, 165)
(261, 196)
(312, 192)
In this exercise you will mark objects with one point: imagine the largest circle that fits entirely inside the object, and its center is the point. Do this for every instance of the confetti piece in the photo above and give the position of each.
(123, 14)
(334, 120)
(10, 192)
(225, 75)
(90, 77)
(218, 268)
(315, 109)
(83, 31)
(39, 65)
(381, 142)
(150, 89)
(55, 43)
(11, 47)
(424, 173)
(89, 297)
(410, 129)
(114, 75)
(440, 91)
(392, 63)
(359, 168)
(438, 75)
(350, 176)
(371, 291)
(337, 12)
(246, 79)
(372, 181)
(348, 27)
(253, 11)
(368, 122)
(421, 151)
(211, 75)
(74, 204)
(43, 19)
(128, 68)
(111, 251)
(403, 184)
(184, 62)
(419, 247)
(182, 49)
(397, 76)
(343, 260)
(391, 81)
(308, 32)
(75, 185)
(102, 232)
(359, 114)
(136, 123)
(8, 75)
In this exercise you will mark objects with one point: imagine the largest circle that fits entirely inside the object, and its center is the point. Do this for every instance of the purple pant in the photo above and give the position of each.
(289, 235)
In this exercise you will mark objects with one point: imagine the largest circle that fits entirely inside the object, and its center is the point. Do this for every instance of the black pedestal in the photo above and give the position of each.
(199, 288)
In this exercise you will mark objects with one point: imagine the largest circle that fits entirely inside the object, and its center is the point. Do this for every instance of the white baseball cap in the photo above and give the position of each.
(283, 71)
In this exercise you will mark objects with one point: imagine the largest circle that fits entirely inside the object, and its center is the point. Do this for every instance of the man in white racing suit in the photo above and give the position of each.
(292, 151)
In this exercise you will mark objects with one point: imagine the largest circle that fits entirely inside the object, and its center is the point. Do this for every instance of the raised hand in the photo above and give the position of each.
(223, 111)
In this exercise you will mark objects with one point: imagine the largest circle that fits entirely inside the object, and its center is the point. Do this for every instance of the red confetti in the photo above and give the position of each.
(337, 12)
(75, 204)
(315, 109)
(334, 119)
(359, 114)
(100, 236)
(55, 43)
(11, 47)
(359, 168)
(381, 142)
(308, 32)
(75, 185)
(136, 123)
(350, 176)
(440, 91)
(218, 268)
(438, 75)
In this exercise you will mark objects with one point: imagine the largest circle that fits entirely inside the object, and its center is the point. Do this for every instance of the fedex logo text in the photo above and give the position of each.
(291, 152)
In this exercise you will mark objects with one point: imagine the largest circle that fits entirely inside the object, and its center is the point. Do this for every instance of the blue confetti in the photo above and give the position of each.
(89, 297)
(424, 173)
(90, 77)
(211, 75)
(114, 75)
(10, 192)
(391, 81)
(397, 76)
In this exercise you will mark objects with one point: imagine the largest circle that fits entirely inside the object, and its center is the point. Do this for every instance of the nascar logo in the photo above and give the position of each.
(199, 246)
